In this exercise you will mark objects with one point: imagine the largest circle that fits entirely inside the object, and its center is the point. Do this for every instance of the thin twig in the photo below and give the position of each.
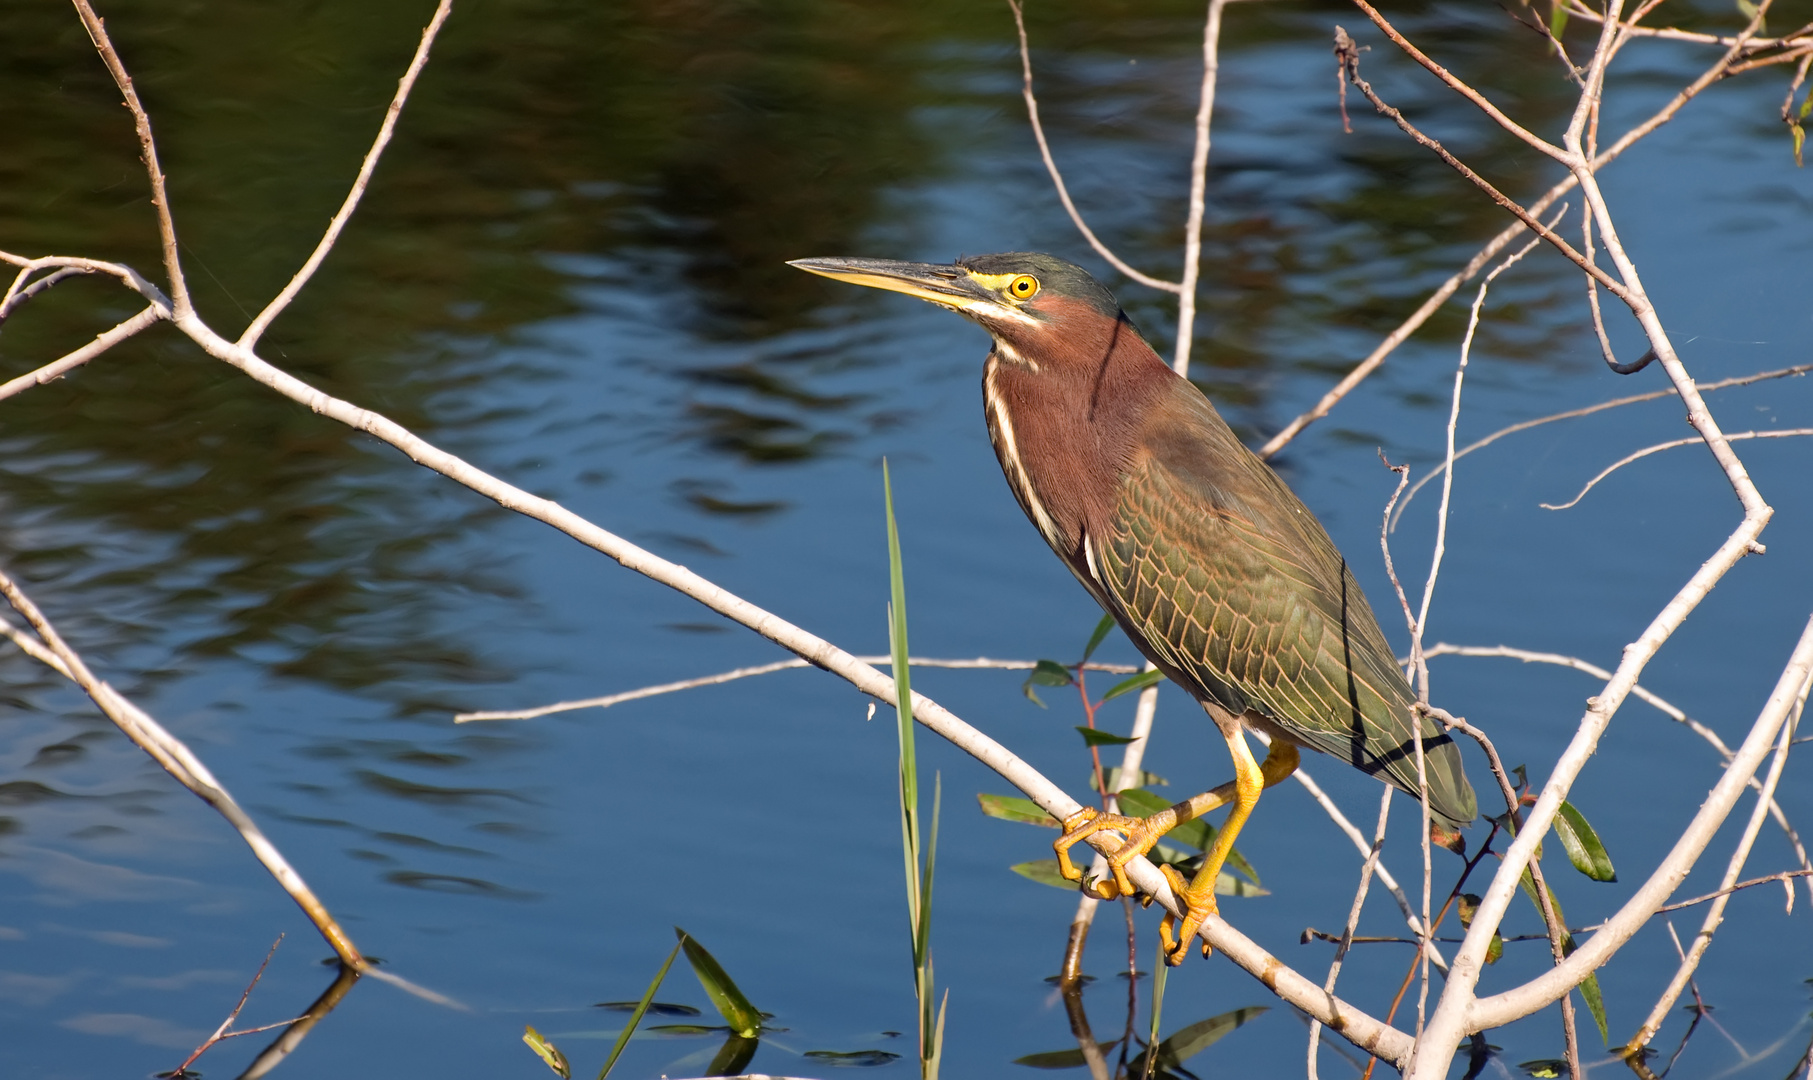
(1529, 138)
(1783, 433)
(21, 292)
(68, 362)
(222, 1031)
(1199, 168)
(1571, 414)
(1739, 855)
(1359, 842)
(1662, 705)
(160, 195)
(605, 702)
(1057, 178)
(357, 191)
(1485, 255)
(1352, 57)
(176, 758)
(1346, 939)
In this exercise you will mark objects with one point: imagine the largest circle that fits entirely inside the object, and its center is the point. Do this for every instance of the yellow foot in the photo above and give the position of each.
(1139, 833)
(1198, 905)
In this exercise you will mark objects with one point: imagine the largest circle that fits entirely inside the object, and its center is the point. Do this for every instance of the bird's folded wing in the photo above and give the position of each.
(1237, 587)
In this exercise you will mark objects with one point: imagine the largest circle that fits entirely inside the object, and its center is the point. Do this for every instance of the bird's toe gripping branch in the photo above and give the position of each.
(1140, 835)
(1198, 897)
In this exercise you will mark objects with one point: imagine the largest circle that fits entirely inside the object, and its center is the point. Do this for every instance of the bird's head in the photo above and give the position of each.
(1040, 309)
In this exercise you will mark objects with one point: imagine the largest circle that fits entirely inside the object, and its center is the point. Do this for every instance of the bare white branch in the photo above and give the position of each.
(62, 366)
(366, 168)
(605, 702)
(1570, 414)
(1782, 433)
(1716, 914)
(176, 758)
(1057, 178)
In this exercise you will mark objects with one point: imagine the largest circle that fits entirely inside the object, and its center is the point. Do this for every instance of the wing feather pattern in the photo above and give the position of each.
(1241, 596)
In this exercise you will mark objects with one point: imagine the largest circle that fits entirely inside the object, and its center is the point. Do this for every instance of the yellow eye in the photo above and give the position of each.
(1024, 287)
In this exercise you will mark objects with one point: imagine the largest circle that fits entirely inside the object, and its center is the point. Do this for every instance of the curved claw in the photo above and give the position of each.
(1197, 907)
(1139, 834)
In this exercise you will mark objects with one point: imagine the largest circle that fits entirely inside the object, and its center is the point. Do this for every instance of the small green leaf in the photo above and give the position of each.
(1062, 1059)
(1013, 808)
(657, 1008)
(1139, 780)
(738, 1013)
(1133, 684)
(1595, 1002)
(687, 1029)
(1196, 833)
(1469, 906)
(1799, 135)
(1557, 19)
(1583, 847)
(1194, 1039)
(623, 1037)
(847, 1058)
(1545, 1068)
(1098, 737)
(1226, 884)
(1045, 673)
(1045, 872)
(732, 1056)
(1138, 803)
(1099, 635)
(548, 1052)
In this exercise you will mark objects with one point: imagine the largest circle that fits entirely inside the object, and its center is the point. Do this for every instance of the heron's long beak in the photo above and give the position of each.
(940, 283)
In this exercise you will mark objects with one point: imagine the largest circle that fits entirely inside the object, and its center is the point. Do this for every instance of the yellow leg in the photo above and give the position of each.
(1140, 833)
(1198, 898)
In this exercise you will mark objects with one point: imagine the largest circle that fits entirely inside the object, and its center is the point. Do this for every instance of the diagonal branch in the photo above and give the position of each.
(1350, 55)
(160, 195)
(366, 168)
(1057, 178)
(1531, 138)
(170, 752)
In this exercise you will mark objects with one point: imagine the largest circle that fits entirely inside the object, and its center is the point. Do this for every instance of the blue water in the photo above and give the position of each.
(605, 328)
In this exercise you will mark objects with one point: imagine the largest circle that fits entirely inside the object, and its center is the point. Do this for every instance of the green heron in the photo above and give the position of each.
(1213, 567)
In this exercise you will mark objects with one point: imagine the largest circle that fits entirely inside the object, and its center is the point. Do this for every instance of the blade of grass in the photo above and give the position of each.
(648, 995)
(918, 871)
(1159, 968)
(742, 1017)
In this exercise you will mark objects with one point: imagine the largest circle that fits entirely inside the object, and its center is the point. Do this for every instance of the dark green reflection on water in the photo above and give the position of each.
(651, 164)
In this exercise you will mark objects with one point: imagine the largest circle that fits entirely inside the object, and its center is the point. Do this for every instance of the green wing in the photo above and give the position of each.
(1239, 594)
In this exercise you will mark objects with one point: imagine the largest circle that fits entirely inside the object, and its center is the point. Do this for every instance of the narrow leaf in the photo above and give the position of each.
(732, 1056)
(1190, 1041)
(1013, 808)
(623, 1037)
(1063, 1059)
(1050, 673)
(1133, 684)
(849, 1057)
(737, 1012)
(1098, 636)
(1045, 872)
(1583, 847)
(1595, 1004)
(1135, 780)
(1098, 737)
(548, 1052)
(1557, 20)
(1160, 968)
(1137, 803)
